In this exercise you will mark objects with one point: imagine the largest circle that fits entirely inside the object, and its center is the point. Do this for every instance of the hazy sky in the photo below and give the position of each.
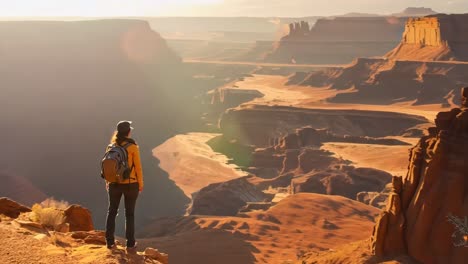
(217, 7)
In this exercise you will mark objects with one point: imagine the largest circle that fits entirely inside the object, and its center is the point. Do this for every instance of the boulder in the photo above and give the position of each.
(11, 208)
(79, 218)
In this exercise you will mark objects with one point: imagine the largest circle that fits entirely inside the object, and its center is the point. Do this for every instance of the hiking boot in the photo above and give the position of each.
(132, 247)
(111, 246)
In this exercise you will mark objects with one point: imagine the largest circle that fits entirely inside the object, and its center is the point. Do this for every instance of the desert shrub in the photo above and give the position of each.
(49, 213)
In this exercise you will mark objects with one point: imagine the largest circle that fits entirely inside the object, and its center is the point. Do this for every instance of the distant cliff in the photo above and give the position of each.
(434, 38)
(338, 40)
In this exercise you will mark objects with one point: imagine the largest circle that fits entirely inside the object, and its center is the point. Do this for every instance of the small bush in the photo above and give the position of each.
(49, 213)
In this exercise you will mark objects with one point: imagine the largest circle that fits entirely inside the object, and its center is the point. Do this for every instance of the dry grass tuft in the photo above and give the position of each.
(49, 213)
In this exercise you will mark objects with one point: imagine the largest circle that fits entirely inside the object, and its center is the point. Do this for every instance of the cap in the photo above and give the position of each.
(124, 126)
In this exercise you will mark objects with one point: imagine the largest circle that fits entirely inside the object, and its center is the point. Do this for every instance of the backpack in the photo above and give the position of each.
(114, 164)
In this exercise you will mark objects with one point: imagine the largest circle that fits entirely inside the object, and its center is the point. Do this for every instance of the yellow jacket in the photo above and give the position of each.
(134, 162)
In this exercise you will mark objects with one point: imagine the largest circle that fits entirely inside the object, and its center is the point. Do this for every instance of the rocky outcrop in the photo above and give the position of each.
(78, 218)
(433, 192)
(226, 198)
(11, 208)
(434, 38)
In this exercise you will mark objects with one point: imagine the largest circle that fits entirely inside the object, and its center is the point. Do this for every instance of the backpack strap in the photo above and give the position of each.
(125, 147)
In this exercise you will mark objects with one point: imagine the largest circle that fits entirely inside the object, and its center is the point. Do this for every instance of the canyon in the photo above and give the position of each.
(247, 163)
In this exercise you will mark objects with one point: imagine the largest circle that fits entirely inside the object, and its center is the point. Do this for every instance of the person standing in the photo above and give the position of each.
(129, 185)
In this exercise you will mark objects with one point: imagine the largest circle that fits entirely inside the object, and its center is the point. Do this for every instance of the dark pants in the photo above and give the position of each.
(130, 193)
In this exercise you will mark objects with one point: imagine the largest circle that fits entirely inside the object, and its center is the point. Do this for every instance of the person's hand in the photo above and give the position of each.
(140, 189)
(107, 186)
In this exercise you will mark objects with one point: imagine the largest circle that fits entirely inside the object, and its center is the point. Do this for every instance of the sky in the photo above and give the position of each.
(284, 8)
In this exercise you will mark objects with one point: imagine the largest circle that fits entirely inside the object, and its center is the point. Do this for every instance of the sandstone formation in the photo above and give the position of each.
(79, 218)
(434, 38)
(415, 221)
(11, 208)
(337, 40)
(226, 198)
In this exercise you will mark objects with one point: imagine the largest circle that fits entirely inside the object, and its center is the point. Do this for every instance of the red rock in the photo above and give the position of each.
(79, 218)
(11, 208)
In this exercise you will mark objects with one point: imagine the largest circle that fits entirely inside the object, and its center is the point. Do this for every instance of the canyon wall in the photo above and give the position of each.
(423, 209)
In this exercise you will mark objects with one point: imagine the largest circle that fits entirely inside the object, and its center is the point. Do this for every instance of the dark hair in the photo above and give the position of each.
(119, 137)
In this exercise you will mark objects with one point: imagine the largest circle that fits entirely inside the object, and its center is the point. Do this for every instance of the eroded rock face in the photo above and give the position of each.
(11, 208)
(78, 218)
(415, 221)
